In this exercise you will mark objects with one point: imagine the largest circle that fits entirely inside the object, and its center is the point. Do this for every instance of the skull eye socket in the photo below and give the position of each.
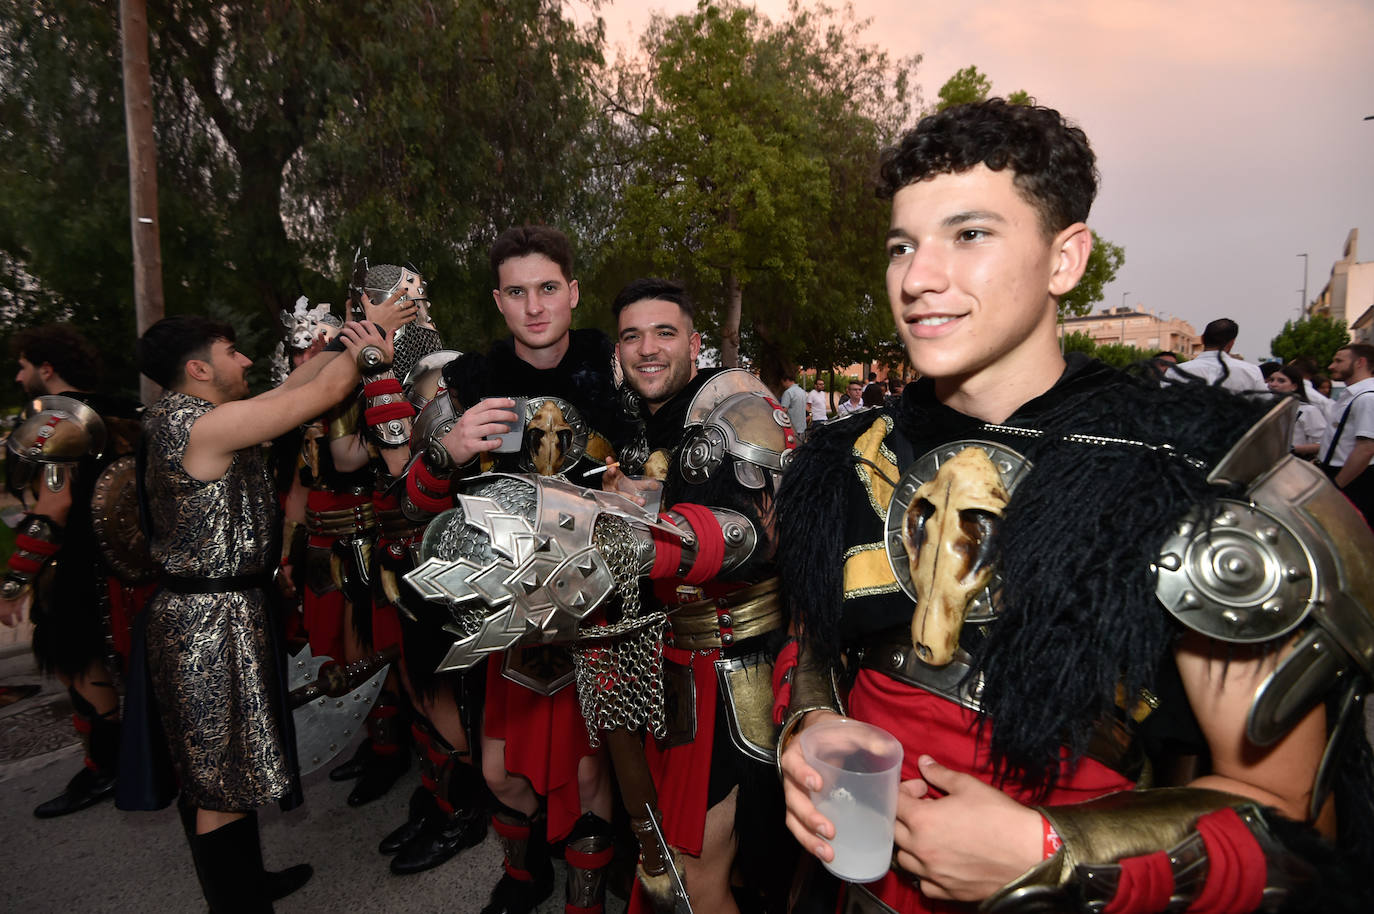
(536, 435)
(916, 523)
(979, 528)
(565, 440)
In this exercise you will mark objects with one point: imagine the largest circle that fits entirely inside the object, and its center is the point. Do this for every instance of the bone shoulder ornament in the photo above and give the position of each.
(941, 537)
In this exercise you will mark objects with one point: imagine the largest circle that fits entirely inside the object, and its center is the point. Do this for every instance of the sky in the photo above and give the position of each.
(1230, 133)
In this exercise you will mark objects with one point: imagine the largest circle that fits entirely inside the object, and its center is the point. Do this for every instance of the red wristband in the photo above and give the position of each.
(1052, 842)
(376, 415)
(381, 387)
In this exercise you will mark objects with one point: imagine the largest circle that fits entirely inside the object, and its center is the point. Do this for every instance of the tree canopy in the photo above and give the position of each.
(1315, 338)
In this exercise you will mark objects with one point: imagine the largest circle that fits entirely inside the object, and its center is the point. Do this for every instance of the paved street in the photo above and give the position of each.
(103, 860)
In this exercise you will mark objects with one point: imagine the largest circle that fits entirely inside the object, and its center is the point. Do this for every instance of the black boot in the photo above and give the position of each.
(389, 758)
(589, 850)
(96, 781)
(354, 767)
(422, 810)
(229, 865)
(459, 820)
(528, 879)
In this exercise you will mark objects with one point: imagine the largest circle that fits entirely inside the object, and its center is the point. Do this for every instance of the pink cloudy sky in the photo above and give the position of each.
(1230, 133)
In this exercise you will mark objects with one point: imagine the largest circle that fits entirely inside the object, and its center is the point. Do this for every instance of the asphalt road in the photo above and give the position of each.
(104, 860)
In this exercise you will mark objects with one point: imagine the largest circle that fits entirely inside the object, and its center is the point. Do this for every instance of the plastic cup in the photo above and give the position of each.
(860, 766)
(651, 490)
(513, 440)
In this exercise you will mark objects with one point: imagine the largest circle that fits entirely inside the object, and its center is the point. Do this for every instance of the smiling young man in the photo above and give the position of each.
(718, 801)
(1033, 495)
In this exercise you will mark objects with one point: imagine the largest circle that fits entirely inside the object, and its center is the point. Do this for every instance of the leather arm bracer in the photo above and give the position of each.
(37, 539)
(1106, 837)
(813, 689)
(389, 414)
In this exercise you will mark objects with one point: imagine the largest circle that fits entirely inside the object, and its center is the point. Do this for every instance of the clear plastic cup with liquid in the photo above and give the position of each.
(860, 766)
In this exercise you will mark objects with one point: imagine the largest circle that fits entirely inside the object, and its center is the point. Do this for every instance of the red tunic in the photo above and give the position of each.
(925, 723)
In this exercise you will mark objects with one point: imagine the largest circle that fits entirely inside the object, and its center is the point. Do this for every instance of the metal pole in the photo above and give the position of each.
(1123, 317)
(1302, 307)
(138, 117)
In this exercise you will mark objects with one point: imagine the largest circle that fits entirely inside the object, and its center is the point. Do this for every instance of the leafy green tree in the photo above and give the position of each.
(747, 150)
(966, 85)
(1316, 338)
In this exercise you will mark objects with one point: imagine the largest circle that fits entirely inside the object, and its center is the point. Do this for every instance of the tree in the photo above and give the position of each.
(970, 85)
(1315, 338)
(746, 149)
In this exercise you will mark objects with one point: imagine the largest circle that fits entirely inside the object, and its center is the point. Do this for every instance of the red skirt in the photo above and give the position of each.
(545, 739)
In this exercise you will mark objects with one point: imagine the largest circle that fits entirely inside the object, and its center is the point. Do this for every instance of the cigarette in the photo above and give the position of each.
(612, 465)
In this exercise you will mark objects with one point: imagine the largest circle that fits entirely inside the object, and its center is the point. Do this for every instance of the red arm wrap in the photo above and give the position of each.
(376, 415)
(1146, 884)
(421, 476)
(782, 682)
(710, 543)
(667, 553)
(37, 546)
(1236, 868)
(382, 386)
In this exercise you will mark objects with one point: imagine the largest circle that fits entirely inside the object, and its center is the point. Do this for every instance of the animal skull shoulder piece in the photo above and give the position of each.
(949, 532)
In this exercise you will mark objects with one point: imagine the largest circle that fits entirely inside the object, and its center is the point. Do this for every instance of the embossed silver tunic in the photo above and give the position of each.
(208, 654)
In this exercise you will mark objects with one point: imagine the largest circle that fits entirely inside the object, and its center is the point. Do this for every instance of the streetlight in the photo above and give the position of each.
(1302, 306)
(1123, 317)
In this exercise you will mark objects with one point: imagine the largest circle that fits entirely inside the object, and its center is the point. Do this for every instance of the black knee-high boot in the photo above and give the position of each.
(528, 879)
(96, 780)
(229, 865)
(457, 818)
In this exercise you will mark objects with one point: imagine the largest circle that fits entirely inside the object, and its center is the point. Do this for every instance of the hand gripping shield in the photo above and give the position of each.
(1292, 555)
(733, 413)
(517, 560)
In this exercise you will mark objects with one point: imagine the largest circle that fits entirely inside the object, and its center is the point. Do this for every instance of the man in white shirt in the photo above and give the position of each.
(1347, 449)
(1215, 365)
(818, 403)
(853, 402)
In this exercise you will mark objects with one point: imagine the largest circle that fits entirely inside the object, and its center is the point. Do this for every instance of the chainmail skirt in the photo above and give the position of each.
(212, 673)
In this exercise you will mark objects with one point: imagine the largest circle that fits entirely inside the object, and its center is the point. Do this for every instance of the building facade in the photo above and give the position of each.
(1142, 329)
(1348, 297)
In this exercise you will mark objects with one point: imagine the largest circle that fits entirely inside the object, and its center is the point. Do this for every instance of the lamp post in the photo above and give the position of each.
(1302, 306)
(1123, 317)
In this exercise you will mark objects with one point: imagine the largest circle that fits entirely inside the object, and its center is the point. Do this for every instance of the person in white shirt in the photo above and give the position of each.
(1215, 365)
(1311, 424)
(794, 401)
(852, 403)
(818, 403)
(1347, 448)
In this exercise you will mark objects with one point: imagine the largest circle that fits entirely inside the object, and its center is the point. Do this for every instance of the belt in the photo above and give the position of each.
(396, 526)
(1112, 741)
(185, 584)
(341, 521)
(740, 614)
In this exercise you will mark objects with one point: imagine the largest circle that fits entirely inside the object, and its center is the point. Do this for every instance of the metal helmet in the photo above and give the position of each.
(54, 439)
(417, 339)
(733, 413)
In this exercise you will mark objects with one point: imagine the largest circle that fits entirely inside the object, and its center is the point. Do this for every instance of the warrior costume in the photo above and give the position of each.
(211, 643)
(572, 416)
(85, 594)
(1035, 699)
(726, 629)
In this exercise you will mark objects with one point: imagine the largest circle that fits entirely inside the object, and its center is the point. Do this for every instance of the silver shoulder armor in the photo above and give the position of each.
(55, 439)
(426, 377)
(1291, 556)
(733, 413)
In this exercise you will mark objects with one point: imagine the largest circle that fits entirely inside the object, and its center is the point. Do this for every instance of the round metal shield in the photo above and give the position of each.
(114, 517)
(1011, 467)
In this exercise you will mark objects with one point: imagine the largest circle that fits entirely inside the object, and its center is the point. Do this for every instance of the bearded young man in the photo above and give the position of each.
(214, 665)
(1110, 557)
(716, 794)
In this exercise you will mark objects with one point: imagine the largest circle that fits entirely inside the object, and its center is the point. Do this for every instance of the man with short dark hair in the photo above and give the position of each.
(853, 402)
(1347, 450)
(215, 668)
(1215, 365)
(794, 401)
(818, 403)
(59, 367)
(717, 800)
(1022, 501)
(548, 782)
